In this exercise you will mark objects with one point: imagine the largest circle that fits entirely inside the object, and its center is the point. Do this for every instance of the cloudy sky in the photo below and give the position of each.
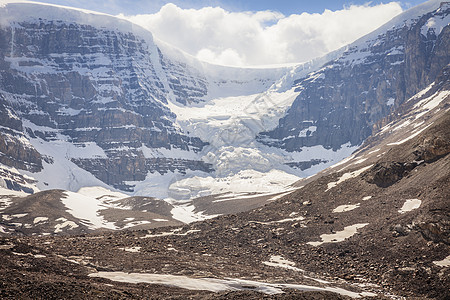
(248, 33)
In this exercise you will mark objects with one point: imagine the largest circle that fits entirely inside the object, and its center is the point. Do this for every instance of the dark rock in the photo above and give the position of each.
(385, 174)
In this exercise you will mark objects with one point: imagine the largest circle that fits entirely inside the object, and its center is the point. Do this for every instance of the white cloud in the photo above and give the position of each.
(262, 38)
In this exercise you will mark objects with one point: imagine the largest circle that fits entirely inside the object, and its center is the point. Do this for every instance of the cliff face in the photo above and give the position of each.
(15, 151)
(341, 102)
(87, 85)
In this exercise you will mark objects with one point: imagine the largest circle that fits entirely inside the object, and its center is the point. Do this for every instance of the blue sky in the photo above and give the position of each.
(286, 7)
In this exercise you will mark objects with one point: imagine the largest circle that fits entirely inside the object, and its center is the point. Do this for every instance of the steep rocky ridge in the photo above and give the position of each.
(341, 102)
(15, 150)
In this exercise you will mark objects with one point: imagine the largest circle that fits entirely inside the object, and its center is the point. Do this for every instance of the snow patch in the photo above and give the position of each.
(65, 223)
(344, 208)
(410, 205)
(131, 249)
(86, 209)
(101, 193)
(6, 217)
(443, 263)
(339, 236)
(279, 221)
(435, 25)
(361, 160)
(280, 195)
(8, 192)
(173, 232)
(413, 135)
(185, 213)
(432, 101)
(135, 223)
(213, 284)
(307, 131)
(18, 216)
(39, 220)
(373, 151)
(401, 125)
(10, 217)
(279, 262)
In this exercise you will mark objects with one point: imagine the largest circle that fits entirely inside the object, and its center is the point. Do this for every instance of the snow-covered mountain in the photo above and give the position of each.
(93, 92)
(88, 99)
(338, 104)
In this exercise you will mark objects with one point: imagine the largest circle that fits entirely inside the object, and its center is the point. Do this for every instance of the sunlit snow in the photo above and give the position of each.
(339, 236)
(65, 224)
(215, 285)
(347, 176)
(173, 232)
(410, 205)
(131, 249)
(443, 263)
(345, 207)
(279, 262)
(39, 220)
(86, 208)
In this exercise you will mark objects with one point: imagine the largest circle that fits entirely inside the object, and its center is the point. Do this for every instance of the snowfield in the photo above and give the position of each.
(279, 262)
(218, 285)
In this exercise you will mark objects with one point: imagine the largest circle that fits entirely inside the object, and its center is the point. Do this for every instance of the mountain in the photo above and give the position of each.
(128, 169)
(341, 102)
(92, 92)
(375, 225)
(92, 101)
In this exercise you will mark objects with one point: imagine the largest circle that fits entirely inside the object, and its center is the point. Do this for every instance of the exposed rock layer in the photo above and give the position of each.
(344, 100)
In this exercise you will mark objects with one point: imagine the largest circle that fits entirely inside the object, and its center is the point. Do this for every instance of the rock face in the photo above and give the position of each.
(341, 102)
(87, 85)
(15, 151)
(121, 169)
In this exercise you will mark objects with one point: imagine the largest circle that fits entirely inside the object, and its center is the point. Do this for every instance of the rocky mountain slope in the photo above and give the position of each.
(375, 225)
(340, 103)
